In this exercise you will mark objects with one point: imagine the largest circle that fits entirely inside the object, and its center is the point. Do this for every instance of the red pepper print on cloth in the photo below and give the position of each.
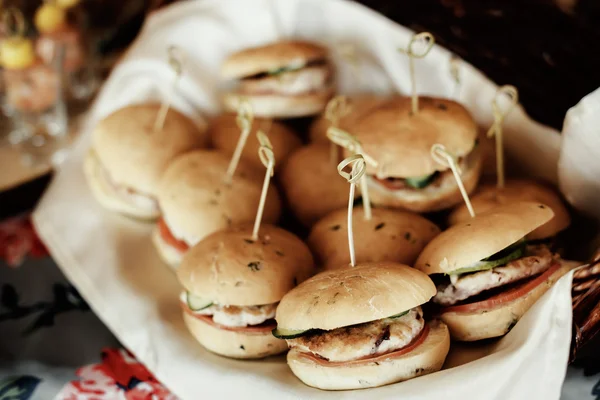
(18, 239)
(118, 376)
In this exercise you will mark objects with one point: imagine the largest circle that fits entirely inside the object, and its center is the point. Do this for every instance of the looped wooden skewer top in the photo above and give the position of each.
(455, 67)
(350, 143)
(445, 158)
(358, 168)
(425, 40)
(176, 59)
(265, 152)
(513, 95)
(245, 115)
(13, 18)
(244, 120)
(336, 109)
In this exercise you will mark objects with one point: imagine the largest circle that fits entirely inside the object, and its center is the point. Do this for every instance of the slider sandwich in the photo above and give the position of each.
(285, 79)
(389, 235)
(487, 276)
(196, 201)
(400, 141)
(361, 327)
(488, 197)
(128, 157)
(224, 133)
(233, 285)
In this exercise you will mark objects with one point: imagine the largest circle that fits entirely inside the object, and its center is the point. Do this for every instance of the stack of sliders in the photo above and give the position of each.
(361, 327)
(487, 276)
(286, 79)
(128, 157)
(400, 141)
(235, 278)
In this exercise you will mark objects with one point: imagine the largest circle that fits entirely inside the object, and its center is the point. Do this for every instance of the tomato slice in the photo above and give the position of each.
(391, 183)
(371, 359)
(265, 327)
(167, 236)
(505, 297)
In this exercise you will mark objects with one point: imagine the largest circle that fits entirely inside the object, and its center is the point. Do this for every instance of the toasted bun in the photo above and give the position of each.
(231, 269)
(430, 198)
(365, 293)
(470, 241)
(225, 133)
(388, 236)
(358, 107)
(133, 154)
(234, 344)
(490, 196)
(499, 320)
(272, 56)
(106, 196)
(425, 359)
(312, 185)
(170, 255)
(401, 142)
(196, 202)
(281, 106)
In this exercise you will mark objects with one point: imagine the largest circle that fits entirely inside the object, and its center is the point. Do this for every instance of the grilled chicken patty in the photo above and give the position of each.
(358, 341)
(304, 80)
(538, 261)
(238, 316)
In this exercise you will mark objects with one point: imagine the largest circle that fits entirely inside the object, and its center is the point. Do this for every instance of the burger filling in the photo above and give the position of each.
(516, 263)
(289, 81)
(432, 182)
(228, 315)
(362, 340)
(169, 238)
(124, 193)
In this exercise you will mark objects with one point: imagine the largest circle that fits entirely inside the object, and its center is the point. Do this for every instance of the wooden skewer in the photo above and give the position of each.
(175, 61)
(244, 120)
(443, 157)
(427, 40)
(265, 153)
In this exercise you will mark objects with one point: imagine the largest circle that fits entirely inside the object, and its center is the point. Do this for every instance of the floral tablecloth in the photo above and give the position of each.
(52, 346)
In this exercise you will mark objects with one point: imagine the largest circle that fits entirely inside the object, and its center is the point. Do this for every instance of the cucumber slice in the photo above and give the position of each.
(281, 70)
(421, 181)
(196, 303)
(282, 333)
(512, 252)
(402, 314)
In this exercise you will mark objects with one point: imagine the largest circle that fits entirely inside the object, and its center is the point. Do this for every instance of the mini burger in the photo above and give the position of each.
(224, 134)
(405, 174)
(127, 157)
(490, 196)
(361, 327)
(195, 201)
(487, 276)
(389, 235)
(311, 184)
(358, 106)
(280, 80)
(233, 284)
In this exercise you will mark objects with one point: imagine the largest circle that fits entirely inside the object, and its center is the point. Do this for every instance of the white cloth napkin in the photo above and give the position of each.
(111, 260)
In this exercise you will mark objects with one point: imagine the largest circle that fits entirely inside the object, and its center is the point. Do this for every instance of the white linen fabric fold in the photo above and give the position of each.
(111, 260)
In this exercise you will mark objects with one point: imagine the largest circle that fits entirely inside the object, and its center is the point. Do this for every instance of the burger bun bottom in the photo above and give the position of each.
(428, 357)
(234, 344)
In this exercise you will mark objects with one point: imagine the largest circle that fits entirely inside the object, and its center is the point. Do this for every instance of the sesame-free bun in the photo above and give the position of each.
(351, 296)
(229, 268)
(311, 184)
(104, 192)
(256, 60)
(195, 200)
(133, 154)
(428, 357)
(477, 238)
(169, 254)
(358, 106)
(234, 344)
(434, 197)
(497, 321)
(224, 134)
(279, 105)
(389, 235)
(401, 142)
(490, 196)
